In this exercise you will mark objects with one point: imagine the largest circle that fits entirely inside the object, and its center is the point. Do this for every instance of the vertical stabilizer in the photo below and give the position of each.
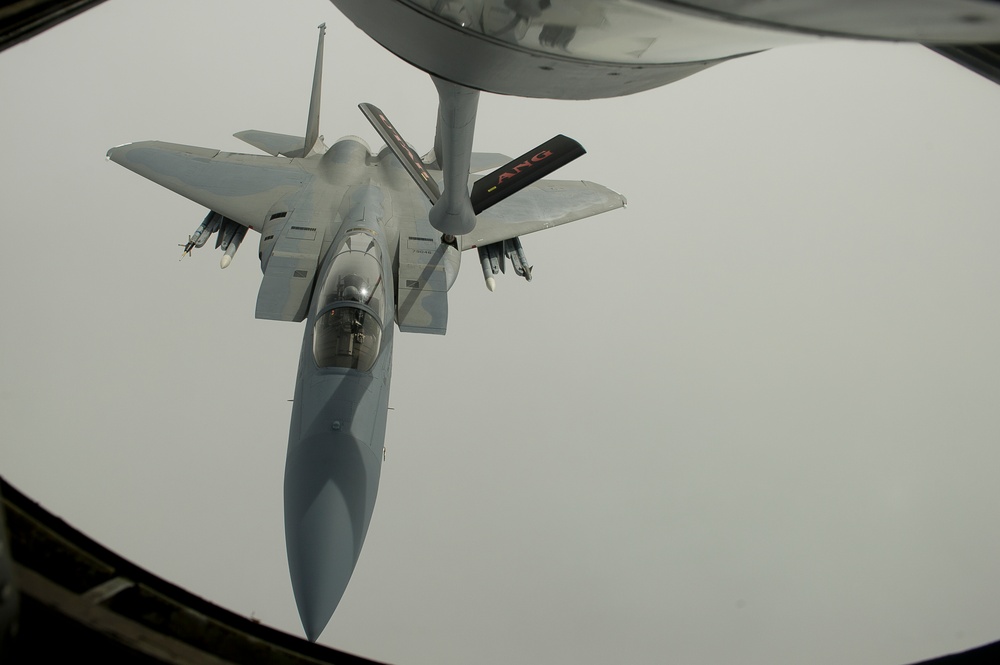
(296, 146)
(312, 124)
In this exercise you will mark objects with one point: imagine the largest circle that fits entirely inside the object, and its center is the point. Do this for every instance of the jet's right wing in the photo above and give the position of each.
(541, 205)
(240, 187)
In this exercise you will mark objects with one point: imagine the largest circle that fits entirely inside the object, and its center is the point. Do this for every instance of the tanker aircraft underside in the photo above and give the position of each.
(585, 49)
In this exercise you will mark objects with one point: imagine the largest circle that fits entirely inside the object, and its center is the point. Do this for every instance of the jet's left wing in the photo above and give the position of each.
(240, 187)
(540, 206)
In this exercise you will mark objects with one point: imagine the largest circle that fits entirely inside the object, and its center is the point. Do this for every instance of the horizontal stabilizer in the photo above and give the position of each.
(411, 162)
(541, 206)
(526, 169)
(279, 145)
(481, 161)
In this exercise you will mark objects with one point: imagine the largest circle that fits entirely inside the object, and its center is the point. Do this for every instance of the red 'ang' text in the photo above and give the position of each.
(526, 164)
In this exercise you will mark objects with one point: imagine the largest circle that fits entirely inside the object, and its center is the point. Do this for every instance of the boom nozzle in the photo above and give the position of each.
(456, 125)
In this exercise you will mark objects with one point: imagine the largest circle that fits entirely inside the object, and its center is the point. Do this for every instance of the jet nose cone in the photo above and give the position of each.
(329, 498)
(321, 549)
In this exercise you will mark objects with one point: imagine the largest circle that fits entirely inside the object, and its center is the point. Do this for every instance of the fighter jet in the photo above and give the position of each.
(351, 242)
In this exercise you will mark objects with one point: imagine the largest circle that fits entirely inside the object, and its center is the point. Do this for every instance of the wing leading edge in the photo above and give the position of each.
(542, 205)
(240, 187)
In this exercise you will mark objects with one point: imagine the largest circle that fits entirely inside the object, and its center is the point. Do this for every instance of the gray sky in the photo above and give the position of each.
(752, 418)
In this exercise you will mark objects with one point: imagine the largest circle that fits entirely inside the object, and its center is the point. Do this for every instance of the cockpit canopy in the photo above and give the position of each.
(348, 328)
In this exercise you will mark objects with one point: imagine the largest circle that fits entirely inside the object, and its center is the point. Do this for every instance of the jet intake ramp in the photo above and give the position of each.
(290, 265)
(427, 269)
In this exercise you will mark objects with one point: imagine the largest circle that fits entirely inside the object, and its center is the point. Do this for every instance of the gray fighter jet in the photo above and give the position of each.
(350, 242)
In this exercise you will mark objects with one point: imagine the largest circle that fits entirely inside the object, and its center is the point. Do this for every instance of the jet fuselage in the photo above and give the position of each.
(337, 431)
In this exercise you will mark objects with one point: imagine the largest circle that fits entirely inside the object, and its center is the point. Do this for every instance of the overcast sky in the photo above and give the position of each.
(751, 418)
